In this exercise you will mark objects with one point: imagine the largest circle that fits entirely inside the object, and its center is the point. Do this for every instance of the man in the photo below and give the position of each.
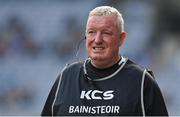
(106, 84)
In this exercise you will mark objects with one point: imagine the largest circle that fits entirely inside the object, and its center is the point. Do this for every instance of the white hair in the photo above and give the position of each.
(109, 11)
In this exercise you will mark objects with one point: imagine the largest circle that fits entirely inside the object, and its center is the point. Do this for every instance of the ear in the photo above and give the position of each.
(122, 38)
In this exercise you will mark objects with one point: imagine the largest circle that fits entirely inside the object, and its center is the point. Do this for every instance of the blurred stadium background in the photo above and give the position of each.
(38, 37)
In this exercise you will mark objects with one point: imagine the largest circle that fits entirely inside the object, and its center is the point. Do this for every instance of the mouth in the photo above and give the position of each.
(98, 48)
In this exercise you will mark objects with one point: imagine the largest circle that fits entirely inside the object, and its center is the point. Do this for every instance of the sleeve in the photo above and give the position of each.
(153, 98)
(48, 104)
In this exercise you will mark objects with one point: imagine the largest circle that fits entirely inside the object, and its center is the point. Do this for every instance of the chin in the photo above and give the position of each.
(97, 57)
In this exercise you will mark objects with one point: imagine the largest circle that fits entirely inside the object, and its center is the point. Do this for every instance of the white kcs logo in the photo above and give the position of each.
(97, 95)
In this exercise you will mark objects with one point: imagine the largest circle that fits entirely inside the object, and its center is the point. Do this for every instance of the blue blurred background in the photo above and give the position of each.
(38, 37)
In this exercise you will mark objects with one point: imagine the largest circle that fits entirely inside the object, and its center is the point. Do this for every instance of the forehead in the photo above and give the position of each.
(101, 21)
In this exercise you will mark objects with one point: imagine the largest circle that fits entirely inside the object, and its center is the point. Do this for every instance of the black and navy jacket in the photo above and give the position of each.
(130, 90)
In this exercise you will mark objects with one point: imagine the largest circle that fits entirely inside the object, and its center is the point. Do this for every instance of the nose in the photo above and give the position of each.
(98, 38)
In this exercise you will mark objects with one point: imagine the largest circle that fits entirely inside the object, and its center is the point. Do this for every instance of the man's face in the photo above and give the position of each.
(103, 40)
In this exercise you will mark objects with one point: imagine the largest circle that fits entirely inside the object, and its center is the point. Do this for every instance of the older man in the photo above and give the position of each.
(106, 83)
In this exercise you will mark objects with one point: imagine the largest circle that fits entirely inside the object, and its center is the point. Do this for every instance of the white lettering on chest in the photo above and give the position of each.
(97, 95)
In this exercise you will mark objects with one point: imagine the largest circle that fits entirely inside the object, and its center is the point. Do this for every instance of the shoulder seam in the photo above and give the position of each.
(52, 108)
(142, 93)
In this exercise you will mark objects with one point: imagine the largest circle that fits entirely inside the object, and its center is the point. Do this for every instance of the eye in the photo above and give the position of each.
(107, 33)
(90, 32)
